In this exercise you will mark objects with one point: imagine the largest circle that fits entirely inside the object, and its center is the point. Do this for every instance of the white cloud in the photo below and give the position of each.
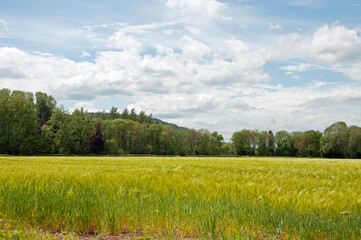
(320, 83)
(302, 67)
(93, 27)
(305, 3)
(274, 26)
(85, 54)
(143, 28)
(335, 45)
(334, 48)
(193, 30)
(3, 25)
(210, 8)
(352, 72)
(120, 40)
(169, 31)
(193, 49)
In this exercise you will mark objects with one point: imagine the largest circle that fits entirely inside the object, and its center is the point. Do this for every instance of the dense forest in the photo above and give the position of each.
(34, 125)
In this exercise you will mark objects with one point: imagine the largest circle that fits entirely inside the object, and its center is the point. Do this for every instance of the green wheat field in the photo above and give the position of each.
(179, 197)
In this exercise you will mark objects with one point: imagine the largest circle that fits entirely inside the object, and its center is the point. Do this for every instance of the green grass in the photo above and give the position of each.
(210, 198)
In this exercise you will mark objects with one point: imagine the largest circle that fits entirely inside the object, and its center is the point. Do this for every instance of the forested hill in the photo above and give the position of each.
(132, 115)
(174, 126)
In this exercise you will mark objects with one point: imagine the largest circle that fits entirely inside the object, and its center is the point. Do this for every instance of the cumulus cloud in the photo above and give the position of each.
(126, 66)
(326, 45)
(121, 40)
(335, 48)
(193, 49)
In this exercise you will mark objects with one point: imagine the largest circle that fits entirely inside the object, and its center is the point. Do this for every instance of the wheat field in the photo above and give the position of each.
(182, 197)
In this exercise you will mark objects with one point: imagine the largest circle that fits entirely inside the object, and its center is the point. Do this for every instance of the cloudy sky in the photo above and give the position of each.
(222, 65)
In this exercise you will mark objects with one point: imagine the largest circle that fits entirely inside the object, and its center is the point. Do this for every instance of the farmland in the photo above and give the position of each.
(183, 197)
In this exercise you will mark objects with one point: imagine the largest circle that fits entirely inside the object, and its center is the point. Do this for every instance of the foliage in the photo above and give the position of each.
(334, 141)
(284, 144)
(36, 126)
(245, 142)
(44, 106)
(96, 144)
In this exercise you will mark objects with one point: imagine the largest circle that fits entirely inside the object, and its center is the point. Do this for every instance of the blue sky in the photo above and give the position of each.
(222, 65)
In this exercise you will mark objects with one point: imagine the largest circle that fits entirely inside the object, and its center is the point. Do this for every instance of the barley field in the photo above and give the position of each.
(181, 197)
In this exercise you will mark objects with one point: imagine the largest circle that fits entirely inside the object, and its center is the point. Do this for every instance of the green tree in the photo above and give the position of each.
(133, 115)
(45, 106)
(5, 120)
(284, 144)
(136, 141)
(142, 118)
(190, 141)
(203, 144)
(244, 142)
(167, 141)
(153, 133)
(72, 131)
(117, 130)
(334, 141)
(22, 135)
(310, 144)
(263, 138)
(114, 113)
(354, 142)
(216, 142)
(125, 114)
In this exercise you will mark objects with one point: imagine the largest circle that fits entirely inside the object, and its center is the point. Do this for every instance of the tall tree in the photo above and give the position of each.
(153, 133)
(270, 144)
(244, 142)
(113, 113)
(44, 106)
(5, 120)
(216, 142)
(334, 141)
(167, 141)
(72, 131)
(354, 142)
(96, 144)
(284, 144)
(133, 115)
(125, 114)
(142, 117)
(190, 141)
(23, 130)
(263, 138)
(203, 145)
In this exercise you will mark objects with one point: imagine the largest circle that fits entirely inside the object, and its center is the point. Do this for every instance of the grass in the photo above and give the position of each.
(209, 198)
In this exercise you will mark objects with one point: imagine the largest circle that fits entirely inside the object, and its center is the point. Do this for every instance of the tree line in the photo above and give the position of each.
(33, 124)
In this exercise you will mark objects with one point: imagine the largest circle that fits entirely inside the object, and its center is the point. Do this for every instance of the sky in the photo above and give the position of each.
(274, 65)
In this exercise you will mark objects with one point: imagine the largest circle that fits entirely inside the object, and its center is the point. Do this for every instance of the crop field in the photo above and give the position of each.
(181, 197)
